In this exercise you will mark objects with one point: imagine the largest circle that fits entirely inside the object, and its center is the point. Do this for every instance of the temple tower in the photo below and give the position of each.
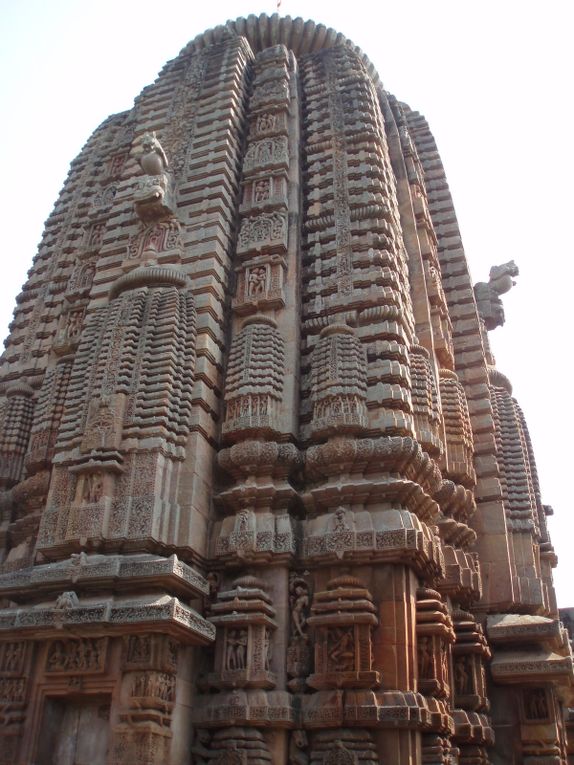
(264, 495)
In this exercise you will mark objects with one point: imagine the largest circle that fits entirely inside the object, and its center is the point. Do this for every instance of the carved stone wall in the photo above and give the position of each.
(264, 496)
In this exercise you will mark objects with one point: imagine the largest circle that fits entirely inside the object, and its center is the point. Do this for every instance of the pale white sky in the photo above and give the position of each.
(494, 79)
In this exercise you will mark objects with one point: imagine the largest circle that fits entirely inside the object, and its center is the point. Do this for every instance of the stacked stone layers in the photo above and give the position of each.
(265, 498)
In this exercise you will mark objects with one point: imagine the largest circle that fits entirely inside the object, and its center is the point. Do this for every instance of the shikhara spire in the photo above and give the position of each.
(265, 498)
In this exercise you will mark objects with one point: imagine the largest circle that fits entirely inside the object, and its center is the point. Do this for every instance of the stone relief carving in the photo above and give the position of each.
(260, 284)
(268, 152)
(268, 230)
(343, 636)
(300, 603)
(71, 656)
(535, 702)
(162, 238)
(12, 656)
(245, 617)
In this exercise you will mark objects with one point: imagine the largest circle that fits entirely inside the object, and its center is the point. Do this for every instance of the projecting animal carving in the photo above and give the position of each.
(153, 160)
(487, 294)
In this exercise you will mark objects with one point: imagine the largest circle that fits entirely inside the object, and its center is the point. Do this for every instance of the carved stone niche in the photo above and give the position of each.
(80, 282)
(343, 746)
(435, 634)
(104, 423)
(255, 535)
(264, 191)
(470, 652)
(260, 284)
(69, 329)
(243, 616)
(161, 241)
(92, 503)
(147, 652)
(343, 618)
(266, 231)
(536, 705)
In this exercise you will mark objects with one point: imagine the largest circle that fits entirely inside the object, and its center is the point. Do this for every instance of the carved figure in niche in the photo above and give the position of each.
(139, 648)
(153, 160)
(261, 190)
(74, 655)
(297, 746)
(74, 324)
(12, 657)
(199, 750)
(299, 601)
(241, 649)
(266, 123)
(235, 650)
(256, 281)
(117, 164)
(56, 656)
(67, 600)
(425, 658)
(535, 704)
(265, 152)
(93, 488)
(97, 235)
(342, 651)
(463, 676)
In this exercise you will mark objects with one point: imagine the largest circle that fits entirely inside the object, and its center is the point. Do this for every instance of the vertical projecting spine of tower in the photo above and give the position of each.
(264, 496)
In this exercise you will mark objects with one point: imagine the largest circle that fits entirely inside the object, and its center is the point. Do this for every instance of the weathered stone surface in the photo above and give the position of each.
(264, 496)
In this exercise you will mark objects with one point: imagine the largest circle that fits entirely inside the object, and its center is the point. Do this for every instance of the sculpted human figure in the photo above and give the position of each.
(425, 657)
(241, 649)
(256, 281)
(299, 608)
(261, 191)
(343, 652)
(93, 488)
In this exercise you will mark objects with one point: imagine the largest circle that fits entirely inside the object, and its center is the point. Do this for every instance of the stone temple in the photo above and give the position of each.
(265, 496)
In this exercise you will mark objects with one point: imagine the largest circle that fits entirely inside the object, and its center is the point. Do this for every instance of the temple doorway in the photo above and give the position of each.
(75, 732)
